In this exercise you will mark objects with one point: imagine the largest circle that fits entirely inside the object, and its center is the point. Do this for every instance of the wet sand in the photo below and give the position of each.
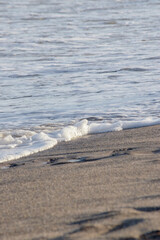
(102, 186)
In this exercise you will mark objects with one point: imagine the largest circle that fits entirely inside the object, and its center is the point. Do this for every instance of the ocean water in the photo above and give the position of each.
(69, 68)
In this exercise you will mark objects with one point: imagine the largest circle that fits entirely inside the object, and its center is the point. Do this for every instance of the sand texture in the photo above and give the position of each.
(102, 186)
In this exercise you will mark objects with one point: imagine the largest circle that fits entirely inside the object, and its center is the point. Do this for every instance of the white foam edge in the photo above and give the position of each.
(37, 143)
(122, 125)
(42, 141)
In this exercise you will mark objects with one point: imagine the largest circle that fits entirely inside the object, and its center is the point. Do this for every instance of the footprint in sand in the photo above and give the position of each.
(120, 152)
(12, 165)
(148, 209)
(154, 235)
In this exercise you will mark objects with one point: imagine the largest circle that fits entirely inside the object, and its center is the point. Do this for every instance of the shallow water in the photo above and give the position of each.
(64, 61)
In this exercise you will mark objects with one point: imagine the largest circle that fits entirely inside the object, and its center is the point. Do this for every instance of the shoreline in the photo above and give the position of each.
(26, 144)
(99, 186)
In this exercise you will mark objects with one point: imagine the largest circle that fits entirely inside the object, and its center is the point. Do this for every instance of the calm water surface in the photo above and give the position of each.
(63, 61)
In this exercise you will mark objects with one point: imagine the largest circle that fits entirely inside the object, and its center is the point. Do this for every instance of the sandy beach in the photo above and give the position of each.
(102, 186)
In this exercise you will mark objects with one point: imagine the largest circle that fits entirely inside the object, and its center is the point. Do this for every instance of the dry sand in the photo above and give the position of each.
(103, 186)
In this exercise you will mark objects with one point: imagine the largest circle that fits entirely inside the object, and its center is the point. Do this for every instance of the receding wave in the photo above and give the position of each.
(19, 143)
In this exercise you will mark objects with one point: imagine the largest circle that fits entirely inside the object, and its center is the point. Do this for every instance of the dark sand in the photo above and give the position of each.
(103, 186)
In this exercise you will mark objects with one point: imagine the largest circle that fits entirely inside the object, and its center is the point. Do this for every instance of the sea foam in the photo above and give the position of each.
(19, 143)
(24, 145)
(71, 132)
